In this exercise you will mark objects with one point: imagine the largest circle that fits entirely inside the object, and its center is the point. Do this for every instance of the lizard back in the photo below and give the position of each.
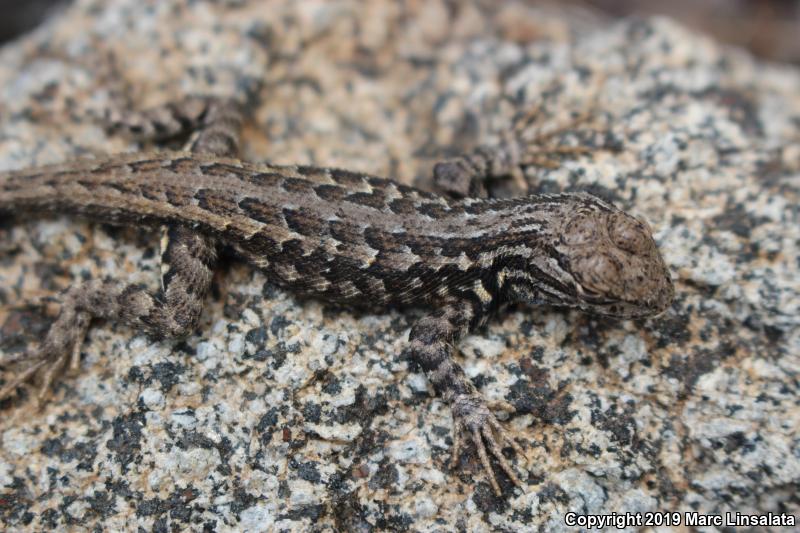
(361, 240)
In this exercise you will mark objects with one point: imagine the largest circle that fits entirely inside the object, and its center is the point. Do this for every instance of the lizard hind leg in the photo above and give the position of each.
(188, 259)
(170, 313)
(62, 344)
(431, 348)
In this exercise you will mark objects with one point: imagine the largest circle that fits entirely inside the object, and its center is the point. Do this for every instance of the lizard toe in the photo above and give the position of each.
(474, 419)
(61, 345)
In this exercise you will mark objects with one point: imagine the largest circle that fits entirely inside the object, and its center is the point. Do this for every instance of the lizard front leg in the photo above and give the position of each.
(467, 174)
(431, 347)
(524, 145)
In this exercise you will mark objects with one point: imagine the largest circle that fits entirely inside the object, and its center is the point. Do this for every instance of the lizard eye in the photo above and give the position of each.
(599, 273)
(581, 229)
(629, 234)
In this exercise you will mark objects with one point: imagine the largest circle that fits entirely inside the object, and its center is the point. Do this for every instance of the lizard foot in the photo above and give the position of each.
(472, 417)
(62, 344)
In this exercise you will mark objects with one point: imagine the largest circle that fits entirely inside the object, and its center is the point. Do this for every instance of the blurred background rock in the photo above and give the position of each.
(768, 28)
(19, 16)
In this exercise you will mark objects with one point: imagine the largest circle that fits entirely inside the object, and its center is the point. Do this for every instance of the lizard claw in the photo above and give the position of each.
(473, 418)
(62, 344)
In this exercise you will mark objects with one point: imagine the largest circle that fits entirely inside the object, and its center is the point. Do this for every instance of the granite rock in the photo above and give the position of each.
(287, 415)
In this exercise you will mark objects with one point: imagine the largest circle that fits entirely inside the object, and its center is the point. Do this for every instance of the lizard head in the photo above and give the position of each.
(614, 261)
(599, 259)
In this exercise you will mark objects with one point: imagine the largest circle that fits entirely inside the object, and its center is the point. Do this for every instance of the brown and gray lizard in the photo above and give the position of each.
(339, 236)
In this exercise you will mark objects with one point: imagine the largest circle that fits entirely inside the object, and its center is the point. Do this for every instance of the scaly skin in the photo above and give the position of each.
(344, 237)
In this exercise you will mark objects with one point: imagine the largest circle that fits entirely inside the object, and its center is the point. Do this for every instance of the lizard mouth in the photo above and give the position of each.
(621, 308)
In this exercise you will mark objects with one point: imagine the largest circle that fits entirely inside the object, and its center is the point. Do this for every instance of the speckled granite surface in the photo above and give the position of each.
(287, 415)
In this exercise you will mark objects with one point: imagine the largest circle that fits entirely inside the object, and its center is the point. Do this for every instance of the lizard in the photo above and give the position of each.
(343, 237)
